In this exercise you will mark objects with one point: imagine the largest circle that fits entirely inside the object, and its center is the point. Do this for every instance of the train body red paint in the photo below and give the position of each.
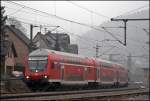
(64, 68)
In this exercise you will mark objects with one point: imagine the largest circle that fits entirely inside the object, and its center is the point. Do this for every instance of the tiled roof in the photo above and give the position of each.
(20, 34)
(61, 36)
(47, 42)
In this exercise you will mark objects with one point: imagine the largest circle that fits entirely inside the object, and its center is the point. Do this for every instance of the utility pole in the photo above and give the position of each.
(129, 62)
(125, 25)
(31, 36)
(97, 50)
(45, 30)
(40, 28)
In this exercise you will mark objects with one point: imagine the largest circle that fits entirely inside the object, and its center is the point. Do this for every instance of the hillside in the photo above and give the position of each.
(136, 40)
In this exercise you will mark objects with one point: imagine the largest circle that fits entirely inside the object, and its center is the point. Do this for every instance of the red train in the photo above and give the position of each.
(44, 65)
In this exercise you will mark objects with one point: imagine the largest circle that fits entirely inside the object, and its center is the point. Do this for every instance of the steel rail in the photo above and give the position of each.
(57, 93)
(100, 94)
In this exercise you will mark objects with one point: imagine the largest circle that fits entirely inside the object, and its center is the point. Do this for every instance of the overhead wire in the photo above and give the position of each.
(110, 49)
(96, 13)
(39, 22)
(70, 21)
(133, 10)
(65, 19)
(58, 17)
(30, 21)
(101, 15)
(137, 41)
(87, 41)
(16, 11)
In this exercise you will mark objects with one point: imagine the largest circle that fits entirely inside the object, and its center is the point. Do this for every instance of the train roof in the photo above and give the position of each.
(45, 52)
(106, 61)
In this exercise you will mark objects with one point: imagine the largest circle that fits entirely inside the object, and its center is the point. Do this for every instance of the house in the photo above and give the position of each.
(55, 41)
(8, 54)
(21, 44)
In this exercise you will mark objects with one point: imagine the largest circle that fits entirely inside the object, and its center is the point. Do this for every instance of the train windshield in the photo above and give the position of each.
(37, 65)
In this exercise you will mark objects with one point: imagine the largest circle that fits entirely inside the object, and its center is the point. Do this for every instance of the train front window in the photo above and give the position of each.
(37, 65)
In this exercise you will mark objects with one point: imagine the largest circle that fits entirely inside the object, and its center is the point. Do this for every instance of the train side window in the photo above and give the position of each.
(55, 65)
(107, 65)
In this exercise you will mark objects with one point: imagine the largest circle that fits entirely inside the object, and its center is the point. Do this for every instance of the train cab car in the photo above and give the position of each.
(36, 68)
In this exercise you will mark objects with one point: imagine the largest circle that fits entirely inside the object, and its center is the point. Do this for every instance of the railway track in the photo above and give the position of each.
(64, 95)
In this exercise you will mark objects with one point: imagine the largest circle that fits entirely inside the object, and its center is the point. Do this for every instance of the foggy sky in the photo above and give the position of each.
(69, 11)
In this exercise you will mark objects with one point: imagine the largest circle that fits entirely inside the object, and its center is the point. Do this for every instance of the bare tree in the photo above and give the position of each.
(17, 23)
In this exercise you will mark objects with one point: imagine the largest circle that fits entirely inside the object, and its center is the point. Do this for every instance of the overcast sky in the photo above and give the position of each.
(68, 10)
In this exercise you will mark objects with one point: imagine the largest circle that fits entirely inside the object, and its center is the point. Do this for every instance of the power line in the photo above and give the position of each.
(125, 25)
(68, 20)
(63, 18)
(137, 41)
(117, 39)
(57, 16)
(63, 29)
(47, 25)
(16, 11)
(41, 22)
(84, 39)
(27, 12)
(110, 49)
(133, 10)
(77, 36)
(87, 41)
(89, 10)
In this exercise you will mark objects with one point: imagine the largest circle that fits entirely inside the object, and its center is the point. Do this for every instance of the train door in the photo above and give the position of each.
(118, 79)
(85, 73)
(98, 74)
(55, 72)
(62, 72)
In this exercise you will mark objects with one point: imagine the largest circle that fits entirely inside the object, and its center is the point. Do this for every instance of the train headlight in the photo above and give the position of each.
(27, 77)
(45, 76)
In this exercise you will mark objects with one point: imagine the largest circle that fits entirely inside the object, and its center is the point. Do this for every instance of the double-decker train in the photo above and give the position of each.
(53, 67)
